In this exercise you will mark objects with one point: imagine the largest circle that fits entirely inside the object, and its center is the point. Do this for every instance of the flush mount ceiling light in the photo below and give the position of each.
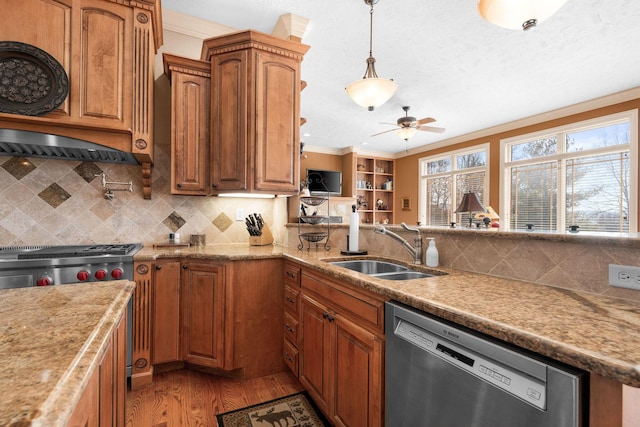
(371, 91)
(518, 14)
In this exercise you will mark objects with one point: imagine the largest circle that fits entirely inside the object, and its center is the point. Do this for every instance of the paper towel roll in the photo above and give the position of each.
(354, 225)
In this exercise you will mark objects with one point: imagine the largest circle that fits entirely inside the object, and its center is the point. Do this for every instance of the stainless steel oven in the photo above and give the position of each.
(439, 374)
(26, 266)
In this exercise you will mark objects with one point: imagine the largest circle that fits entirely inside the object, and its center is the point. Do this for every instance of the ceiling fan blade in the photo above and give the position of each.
(431, 129)
(392, 124)
(386, 131)
(425, 121)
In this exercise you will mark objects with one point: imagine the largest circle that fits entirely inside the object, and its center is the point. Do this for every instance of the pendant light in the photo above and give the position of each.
(371, 91)
(518, 14)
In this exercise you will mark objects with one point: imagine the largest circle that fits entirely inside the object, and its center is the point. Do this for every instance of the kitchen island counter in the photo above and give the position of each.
(596, 333)
(51, 341)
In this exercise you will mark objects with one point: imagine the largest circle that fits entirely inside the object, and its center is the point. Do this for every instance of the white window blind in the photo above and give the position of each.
(445, 178)
(580, 175)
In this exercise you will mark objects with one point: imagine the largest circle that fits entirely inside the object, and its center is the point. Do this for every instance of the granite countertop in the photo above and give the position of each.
(596, 333)
(50, 342)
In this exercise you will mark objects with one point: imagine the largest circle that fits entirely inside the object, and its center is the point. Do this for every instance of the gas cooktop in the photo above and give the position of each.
(70, 251)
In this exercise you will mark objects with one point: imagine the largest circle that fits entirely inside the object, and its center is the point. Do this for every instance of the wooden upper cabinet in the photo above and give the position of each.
(255, 112)
(190, 89)
(107, 49)
(229, 108)
(105, 69)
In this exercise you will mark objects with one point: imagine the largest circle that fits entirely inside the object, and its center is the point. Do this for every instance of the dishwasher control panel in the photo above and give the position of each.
(519, 384)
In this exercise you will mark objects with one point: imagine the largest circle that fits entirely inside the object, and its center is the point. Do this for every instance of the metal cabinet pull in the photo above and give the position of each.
(289, 328)
(291, 300)
(291, 275)
(158, 267)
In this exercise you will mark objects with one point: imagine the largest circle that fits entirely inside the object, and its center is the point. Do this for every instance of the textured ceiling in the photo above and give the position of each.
(448, 63)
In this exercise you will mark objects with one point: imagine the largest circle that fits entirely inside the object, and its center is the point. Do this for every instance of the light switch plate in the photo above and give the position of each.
(239, 214)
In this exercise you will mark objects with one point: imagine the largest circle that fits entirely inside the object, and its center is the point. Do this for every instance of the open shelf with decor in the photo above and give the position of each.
(314, 211)
(371, 181)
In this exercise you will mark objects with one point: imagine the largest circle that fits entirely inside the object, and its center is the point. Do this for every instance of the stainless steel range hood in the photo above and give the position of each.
(23, 143)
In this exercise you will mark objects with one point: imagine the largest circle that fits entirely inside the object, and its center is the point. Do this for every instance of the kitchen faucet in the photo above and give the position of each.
(415, 251)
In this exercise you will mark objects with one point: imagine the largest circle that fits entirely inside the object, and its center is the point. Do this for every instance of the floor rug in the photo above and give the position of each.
(296, 410)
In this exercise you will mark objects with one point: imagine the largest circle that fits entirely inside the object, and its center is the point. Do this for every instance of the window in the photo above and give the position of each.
(582, 174)
(445, 178)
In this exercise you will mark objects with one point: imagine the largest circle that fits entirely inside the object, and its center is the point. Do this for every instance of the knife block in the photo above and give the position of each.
(265, 239)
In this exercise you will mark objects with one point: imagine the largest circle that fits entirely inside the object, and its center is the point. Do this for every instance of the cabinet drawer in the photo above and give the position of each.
(290, 328)
(292, 274)
(290, 355)
(356, 304)
(291, 299)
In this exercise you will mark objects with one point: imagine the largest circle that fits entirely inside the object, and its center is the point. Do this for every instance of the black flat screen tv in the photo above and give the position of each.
(324, 182)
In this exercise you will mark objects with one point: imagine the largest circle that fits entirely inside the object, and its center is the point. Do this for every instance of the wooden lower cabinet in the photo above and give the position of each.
(166, 312)
(203, 296)
(341, 351)
(214, 314)
(103, 400)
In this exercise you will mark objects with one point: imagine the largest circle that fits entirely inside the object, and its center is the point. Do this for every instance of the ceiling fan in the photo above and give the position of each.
(408, 125)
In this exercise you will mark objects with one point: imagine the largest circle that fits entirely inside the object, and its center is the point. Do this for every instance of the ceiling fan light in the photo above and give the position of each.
(518, 14)
(406, 133)
(371, 92)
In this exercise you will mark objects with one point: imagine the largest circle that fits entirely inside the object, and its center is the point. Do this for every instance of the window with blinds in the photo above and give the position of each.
(445, 178)
(576, 175)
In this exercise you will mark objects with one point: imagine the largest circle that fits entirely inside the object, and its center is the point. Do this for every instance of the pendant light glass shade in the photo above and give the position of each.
(406, 133)
(518, 14)
(371, 91)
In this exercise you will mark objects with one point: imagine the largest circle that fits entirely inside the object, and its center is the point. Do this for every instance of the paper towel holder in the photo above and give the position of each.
(355, 216)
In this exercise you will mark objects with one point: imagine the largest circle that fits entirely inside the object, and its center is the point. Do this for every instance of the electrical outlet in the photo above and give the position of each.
(624, 276)
(239, 214)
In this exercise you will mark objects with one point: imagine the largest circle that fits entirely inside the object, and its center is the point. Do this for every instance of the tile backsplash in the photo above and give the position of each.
(57, 202)
(578, 262)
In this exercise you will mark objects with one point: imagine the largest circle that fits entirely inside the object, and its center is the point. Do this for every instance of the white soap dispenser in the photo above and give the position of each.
(431, 257)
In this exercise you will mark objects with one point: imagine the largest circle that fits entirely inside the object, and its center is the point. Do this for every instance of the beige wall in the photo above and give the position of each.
(407, 178)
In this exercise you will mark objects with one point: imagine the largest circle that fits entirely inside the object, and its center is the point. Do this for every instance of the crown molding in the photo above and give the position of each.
(291, 27)
(582, 107)
(192, 26)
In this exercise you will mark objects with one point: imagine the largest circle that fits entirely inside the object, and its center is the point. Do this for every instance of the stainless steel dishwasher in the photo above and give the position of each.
(439, 374)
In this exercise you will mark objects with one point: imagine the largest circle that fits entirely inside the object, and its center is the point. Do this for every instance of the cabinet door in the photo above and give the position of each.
(113, 377)
(277, 125)
(106, 66)
(357, 363)
(203, 314)
(229, 137)
(166, 312)
(189, 134)
(86, 411)
(314, 363)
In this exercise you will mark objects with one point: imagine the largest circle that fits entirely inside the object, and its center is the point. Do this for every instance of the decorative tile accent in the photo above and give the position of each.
(222, 221)
(18, 167)
(54, 195)
(174, 221)
(88, 171)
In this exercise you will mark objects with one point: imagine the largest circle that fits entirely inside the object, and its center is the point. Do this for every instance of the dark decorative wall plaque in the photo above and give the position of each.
(32, 82)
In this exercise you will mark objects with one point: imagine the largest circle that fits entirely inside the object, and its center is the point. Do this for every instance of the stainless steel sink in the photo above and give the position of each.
(403, 275)
(382, 269)
(368, 266)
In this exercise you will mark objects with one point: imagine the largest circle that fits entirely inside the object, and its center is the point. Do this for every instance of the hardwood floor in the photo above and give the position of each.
(187, 398)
